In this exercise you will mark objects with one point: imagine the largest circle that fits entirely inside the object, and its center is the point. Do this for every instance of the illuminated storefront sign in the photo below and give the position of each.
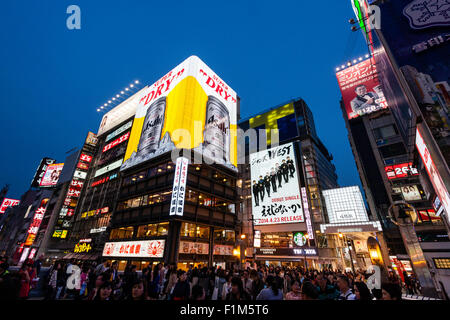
(85, 157)
(118, 131)
(194, 247)
(286, 251)
(435, 178)
(137, 249)
(108, 168)
(98, 230)
(223, 250)
(345, 205)
(276, 195)
(116, 142)
(400, 171)
(179, 187)
(300, 239)
(36, 222)
(80, 174)
(94, 212)
(8, 203)
(45, 162)
(83, 246)
(105, 179)
(60, 234)
(410, 192)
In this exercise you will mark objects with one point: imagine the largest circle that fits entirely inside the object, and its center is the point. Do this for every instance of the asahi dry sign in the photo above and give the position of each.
(275, 188)
(189, 108)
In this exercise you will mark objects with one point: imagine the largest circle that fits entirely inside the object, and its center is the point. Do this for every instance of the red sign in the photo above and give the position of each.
(400, 171)
(8, 203)
(361, 89)
(85, 157)
(82, 166)
(36, 223)
(77, 184)
(116, 142)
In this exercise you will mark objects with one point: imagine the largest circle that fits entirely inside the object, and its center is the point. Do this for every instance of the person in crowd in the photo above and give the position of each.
(247, 282)
(296, 292)
(257, 284)
(237, 291)
(104, 292)
(182, 289)
(99, 282)
(272, 292)
(84, 278)
(361, 291)
(172, 280)
(102, 267)
(327, 291)
(24, 282)
(226, 289)
(8, 288)
(343, 284)
(391, 291)
(309, 291)
(153, 282)
(138, 291)
(198, 293)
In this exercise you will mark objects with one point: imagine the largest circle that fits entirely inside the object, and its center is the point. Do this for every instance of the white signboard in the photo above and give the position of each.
(435, 178)
(179, 187)
(275, 188)
(345, 205)
(119, 130)
(136, 249)
(108, 168)
(80, 174)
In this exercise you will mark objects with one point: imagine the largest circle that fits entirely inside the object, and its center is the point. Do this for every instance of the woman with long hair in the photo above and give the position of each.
(272, 292)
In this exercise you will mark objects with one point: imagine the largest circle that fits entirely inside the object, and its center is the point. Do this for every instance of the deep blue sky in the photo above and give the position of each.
(53, 79)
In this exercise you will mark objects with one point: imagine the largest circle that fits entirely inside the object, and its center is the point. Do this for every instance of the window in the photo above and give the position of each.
(153, 230)
(224, 235)
(277, 240)
(392, 150)
(442, 263)
(163, 229)
(287, 127)
(191, 196)
(202, 232)
(385, 132)
(122, 233)
(192, 230)
(205, 200)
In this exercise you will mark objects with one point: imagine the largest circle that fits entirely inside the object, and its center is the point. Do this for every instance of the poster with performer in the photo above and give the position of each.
(361, 89)
(275, 187)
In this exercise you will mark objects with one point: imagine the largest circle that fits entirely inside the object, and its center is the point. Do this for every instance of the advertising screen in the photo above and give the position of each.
(275, 186)
(194, 247)
(191, 108)
(138, 249)
(435, 177)
(51, 175)
(402, 170)
(360, 88)
(345, 205)
(8, 203)
(41, 171)
(411, 193)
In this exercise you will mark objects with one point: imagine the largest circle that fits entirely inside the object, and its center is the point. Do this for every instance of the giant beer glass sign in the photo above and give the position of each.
(189, 108)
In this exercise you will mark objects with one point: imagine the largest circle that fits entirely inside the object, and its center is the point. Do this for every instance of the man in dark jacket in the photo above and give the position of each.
(255, 190)
(273, 180)
(279, 174)
(285, 171)
(267, 184)
(257, 284)
(291, 166)
(261, 188)
(182, 289)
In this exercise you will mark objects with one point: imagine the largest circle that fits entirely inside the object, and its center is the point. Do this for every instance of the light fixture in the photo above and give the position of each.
(117, 95)
(137, 81)
(342, 66)
(98, 109)
(126, 89)
(121, 92)
(105, 104)
(131, 85)
(340, 235)
(243, 236)
(337, 69)
(109, 101)
(114, 99)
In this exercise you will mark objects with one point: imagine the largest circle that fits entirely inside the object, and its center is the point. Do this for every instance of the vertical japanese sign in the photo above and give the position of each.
(435, 178)
(179, 187)
(36, 222)
(307, 214)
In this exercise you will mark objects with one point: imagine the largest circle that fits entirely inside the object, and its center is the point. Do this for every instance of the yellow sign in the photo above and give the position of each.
(190, 108)
(270, 119)
(82, 247)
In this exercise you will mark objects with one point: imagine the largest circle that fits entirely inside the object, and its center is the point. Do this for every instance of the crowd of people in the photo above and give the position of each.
(103, 281)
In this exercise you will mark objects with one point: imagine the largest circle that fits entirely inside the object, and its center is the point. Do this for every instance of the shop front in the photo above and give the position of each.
(306, 257)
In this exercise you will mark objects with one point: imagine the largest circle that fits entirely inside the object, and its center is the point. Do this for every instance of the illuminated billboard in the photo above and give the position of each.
(361, 89)
(120, 113)
(189, 108)
(345, 205)
(136, 249)
(435, 178)
(275, 186)
(8, 203)
(410, 193)
(402, 170)
(51, 175)
(41, 171)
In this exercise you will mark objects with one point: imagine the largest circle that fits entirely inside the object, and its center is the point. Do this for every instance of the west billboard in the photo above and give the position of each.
(189, 108)
(360, 88)
(51, 175)
(275, 186)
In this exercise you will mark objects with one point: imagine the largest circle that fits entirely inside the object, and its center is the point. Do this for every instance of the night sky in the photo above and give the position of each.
(53, 79)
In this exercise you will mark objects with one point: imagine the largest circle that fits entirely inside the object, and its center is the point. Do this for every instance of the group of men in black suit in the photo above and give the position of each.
(272, 178)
